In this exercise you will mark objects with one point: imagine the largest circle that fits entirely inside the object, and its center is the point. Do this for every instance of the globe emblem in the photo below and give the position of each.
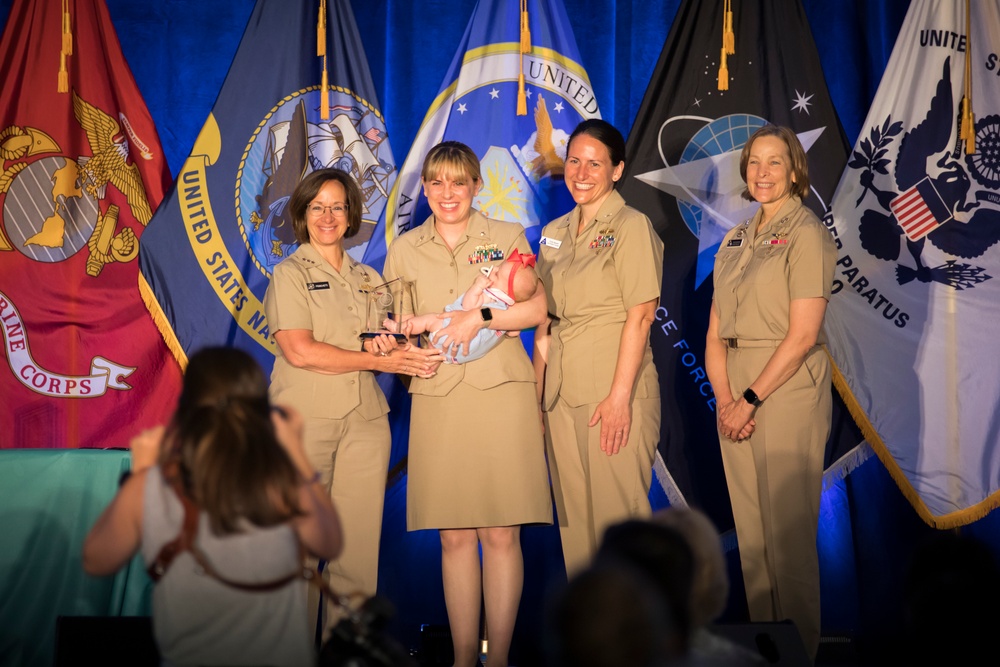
(722, 135)
(46, 214)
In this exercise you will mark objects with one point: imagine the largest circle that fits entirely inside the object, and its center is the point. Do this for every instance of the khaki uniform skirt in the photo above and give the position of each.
(477, 459)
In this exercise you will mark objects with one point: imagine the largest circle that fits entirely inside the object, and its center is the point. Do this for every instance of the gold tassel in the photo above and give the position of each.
(967, 130)
(321, 30)
(66, 49)
(723, 72)
(728, 37)
(324, 107)
(63, 85)
(525, 29)
(67, 32)
(522, 99)
(525, 47)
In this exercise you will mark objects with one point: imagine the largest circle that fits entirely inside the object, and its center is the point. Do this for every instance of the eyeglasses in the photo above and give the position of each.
(315, 210)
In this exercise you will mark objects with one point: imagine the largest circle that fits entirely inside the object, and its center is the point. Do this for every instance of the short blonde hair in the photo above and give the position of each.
(453, 160)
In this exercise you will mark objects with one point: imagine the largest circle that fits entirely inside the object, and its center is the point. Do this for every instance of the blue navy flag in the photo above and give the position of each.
(521, 156)
(208, 254)
(682, 170)
(913, 318)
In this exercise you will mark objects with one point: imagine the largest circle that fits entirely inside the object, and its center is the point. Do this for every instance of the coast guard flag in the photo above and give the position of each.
(521, 157)
(913, 321)
(80, 173)
(211, 248)
(682, 170)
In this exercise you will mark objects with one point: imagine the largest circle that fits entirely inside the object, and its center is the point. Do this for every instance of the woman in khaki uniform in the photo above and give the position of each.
(602, 265)
(316, 306)
(771, 379)
(476, 458)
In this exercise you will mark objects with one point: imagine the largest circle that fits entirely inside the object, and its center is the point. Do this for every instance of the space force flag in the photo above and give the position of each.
(81, 171)
(913, 320)
(521, 156)
(682, 170)
(212, 247)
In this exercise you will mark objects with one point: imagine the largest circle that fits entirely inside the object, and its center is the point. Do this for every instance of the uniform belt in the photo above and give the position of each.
(739, 342)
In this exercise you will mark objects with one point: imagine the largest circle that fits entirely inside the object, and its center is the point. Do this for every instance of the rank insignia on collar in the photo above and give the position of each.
(488, 252)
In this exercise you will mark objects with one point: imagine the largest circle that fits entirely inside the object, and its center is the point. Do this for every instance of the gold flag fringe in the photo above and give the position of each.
(943, 522)
(967, 131)
(161, 322)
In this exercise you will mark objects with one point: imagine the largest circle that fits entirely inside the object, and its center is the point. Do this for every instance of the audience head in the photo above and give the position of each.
(663, 556)
(222, 443)
(710, 582)
(609, 616)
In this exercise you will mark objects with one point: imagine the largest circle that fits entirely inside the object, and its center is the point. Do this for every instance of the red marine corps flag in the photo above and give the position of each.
(81, 171)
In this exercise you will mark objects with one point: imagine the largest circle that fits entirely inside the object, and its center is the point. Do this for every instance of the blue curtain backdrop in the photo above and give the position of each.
(180, 51)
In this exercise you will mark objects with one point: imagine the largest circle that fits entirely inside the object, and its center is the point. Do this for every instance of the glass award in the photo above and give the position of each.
(388, 303)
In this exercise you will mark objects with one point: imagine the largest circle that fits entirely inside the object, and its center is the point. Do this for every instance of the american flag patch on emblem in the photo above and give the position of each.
(920, 210)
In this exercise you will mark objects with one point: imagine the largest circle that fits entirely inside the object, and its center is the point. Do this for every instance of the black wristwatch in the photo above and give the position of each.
(487, 314)
(750, 396)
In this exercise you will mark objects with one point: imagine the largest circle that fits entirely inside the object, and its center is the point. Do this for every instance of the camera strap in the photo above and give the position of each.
(185, 541)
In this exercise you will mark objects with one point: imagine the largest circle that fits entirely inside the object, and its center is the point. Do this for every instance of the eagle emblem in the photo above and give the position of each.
(109, 162)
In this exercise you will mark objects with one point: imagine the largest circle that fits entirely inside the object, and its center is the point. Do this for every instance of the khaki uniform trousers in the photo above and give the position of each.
(352, 457)
(593, 490)
(775, 480)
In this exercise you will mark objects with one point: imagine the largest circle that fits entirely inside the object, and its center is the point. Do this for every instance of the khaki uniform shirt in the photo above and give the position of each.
(440, 275)
(757, 275)
(306, 292)
(591, 281)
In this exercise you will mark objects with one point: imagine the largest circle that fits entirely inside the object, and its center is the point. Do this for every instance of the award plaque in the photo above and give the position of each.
(388, 301)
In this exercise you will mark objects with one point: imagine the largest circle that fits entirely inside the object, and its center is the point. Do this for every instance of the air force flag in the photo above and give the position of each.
(521, 156)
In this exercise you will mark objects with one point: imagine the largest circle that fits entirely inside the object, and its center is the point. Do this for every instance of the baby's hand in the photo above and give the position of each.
(481, 282)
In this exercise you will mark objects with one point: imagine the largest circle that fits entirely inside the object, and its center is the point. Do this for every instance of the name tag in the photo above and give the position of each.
(312, 287)
(552, 243)
(734, 243)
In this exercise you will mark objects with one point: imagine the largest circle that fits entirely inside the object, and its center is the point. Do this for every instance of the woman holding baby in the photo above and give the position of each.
(471, 476)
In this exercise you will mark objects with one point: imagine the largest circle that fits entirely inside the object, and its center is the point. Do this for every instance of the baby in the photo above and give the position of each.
(498, 287)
